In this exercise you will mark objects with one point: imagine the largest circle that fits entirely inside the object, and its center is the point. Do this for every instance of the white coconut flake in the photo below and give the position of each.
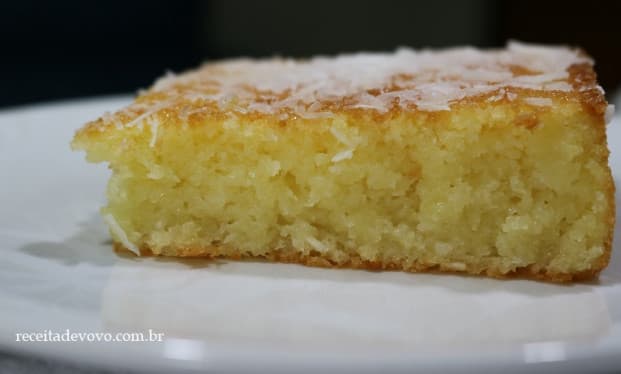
(154, 127)
(316, 115)
(434, 107)
(108, 117)
(556, 86)
(539, 101)
(344, 155)
(167, 79)
(367, 106)
(120, 234)
(141, 118)
(340, 137)
(316, 244)
(498, 96)
(610, 112)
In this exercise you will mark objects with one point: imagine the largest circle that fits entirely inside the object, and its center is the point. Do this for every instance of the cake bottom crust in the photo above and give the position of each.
(316, 259)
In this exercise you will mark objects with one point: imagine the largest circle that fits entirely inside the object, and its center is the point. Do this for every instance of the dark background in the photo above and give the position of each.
(64, 49)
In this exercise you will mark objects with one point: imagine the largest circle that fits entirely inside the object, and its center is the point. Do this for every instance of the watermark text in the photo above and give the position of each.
(89, 337)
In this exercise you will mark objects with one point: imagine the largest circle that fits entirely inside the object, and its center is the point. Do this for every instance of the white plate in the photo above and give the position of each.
(58, 272)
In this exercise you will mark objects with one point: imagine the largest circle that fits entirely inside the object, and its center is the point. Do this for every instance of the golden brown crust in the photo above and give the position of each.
(190, 99)
(592, 100)
(316, 259)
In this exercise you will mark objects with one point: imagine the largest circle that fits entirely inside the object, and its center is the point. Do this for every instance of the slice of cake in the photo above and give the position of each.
(483, 162)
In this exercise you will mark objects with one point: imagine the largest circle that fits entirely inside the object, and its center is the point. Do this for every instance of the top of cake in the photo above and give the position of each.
(425, 80)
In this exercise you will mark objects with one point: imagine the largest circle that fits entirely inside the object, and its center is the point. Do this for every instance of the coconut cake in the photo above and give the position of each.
(489, 162)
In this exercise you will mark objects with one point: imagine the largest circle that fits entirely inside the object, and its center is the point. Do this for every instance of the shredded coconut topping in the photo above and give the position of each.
(343, 155)
(118, 231)
(422, 80)
(539, 101)
(610, 112)
(316, 244)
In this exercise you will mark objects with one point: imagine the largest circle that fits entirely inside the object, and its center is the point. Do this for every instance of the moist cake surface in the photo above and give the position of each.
(486, 162)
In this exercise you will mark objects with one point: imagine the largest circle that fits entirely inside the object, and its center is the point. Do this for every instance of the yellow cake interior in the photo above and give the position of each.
(485, 188)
